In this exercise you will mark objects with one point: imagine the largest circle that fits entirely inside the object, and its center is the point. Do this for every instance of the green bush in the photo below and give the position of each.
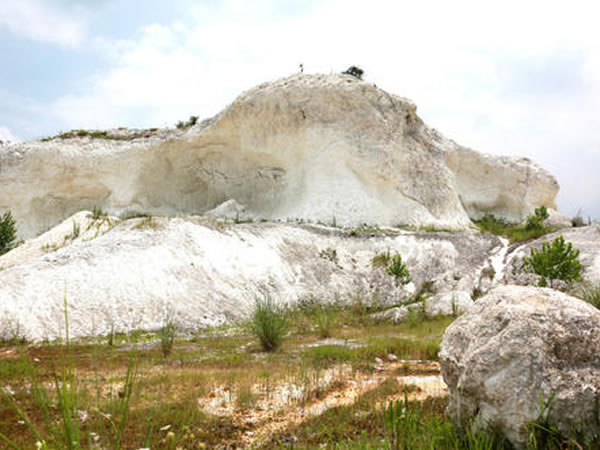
(398, 269)
(555, 261)
(268, 323)
(8, 232)
(193, 120)
(536, 220)
(532, 229)
(355, 71)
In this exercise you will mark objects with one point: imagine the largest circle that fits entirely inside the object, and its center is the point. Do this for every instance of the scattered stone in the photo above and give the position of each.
(391, 357)
(516, 344)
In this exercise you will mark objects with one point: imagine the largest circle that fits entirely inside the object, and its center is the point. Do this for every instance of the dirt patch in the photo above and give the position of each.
(289, 403)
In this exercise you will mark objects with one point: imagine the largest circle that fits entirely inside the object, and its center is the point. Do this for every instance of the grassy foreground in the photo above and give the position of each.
(338, 380)
(215, 389)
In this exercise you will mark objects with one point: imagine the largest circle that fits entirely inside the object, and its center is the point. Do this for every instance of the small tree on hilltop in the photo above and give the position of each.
(8, 232)
(555, 261)
(355, 71)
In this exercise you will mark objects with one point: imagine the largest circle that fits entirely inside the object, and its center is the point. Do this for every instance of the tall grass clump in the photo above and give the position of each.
(590, 293)
(167, 338)
(324, 321)
(59, 406)
(268, 323)
(98, 213)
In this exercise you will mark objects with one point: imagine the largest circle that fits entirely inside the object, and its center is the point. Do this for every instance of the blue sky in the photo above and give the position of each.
(512, 77)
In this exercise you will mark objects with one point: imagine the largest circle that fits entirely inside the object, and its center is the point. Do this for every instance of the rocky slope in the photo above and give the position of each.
(328, 148)
(142, 272)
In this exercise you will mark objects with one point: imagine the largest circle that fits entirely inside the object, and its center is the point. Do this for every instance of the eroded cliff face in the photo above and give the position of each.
(321, 148)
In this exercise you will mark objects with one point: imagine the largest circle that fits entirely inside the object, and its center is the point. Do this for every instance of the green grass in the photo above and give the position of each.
(374, 347)
(589, 292)
(269, 323)
(514, 232)
(145, 399)
(101, 134)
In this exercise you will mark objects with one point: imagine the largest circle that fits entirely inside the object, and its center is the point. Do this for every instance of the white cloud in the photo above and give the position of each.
(6, 135)
(40, 21)
(520, 78)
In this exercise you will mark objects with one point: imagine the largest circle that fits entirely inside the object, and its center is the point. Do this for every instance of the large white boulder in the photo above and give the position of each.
(321, 148)
(515, 345)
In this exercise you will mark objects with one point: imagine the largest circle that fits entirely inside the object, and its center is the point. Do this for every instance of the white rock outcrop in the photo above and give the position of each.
(516, 344)
(199, 272)
(321, 148)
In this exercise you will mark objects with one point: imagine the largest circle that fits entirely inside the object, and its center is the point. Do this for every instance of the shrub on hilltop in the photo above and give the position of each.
(355, 71)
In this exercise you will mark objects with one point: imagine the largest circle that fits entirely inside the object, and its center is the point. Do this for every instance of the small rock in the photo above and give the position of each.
(391, 357)
(378, 361)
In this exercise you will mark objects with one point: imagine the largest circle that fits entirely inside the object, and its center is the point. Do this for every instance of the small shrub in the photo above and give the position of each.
(355, 71)
(577, 221)
(555, 261)
(167, 338)
(268, 323)
(398, 269)
(536, 220)
(381, 259)
(97, 213)
(8, 232)
(193, 120)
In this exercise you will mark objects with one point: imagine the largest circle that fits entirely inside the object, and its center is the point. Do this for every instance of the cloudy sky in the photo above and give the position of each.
(512, 77)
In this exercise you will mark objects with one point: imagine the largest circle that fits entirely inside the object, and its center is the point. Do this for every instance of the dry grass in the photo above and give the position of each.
(218, 388)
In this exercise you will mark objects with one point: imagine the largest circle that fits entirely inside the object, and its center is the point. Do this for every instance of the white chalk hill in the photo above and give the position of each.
(313, 147)
(316, 148)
